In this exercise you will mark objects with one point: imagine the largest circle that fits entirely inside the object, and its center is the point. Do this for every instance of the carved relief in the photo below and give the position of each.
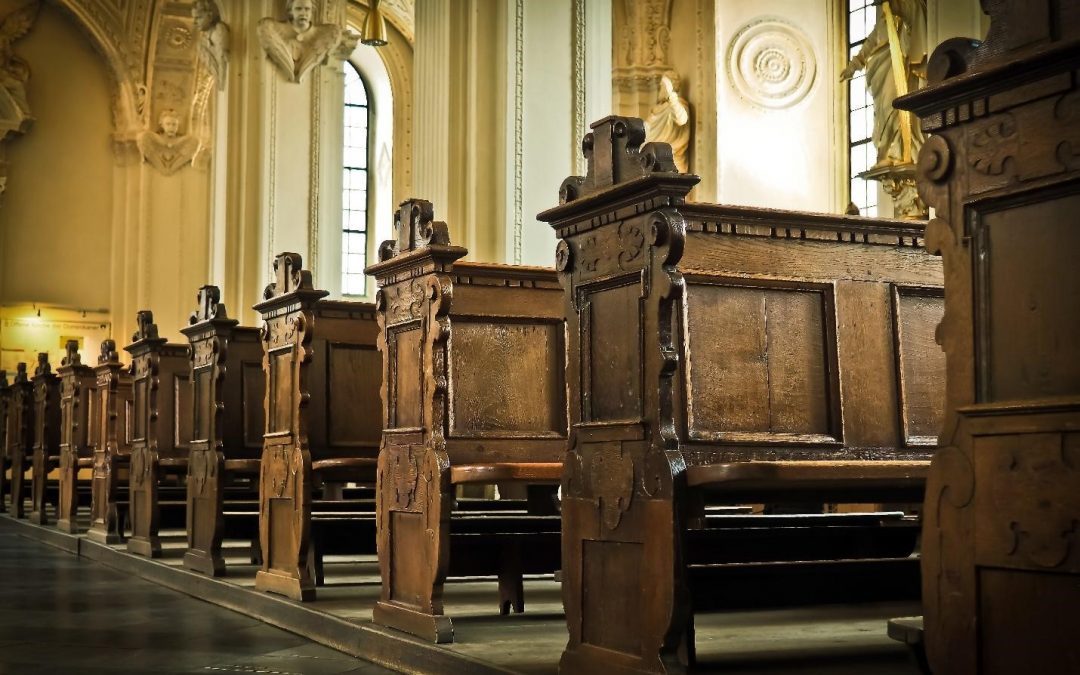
(771, 63)
(166, 149)
(992, 144)
(296, 45)
(214, 39)
(611, 470)
(404, 302)
(405, 470)
(15, 115)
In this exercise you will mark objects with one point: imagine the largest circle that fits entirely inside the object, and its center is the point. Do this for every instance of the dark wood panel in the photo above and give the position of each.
(354, 375)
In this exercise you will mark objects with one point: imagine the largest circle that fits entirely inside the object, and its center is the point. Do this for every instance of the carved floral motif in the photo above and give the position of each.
(611, 469)
(992, 143)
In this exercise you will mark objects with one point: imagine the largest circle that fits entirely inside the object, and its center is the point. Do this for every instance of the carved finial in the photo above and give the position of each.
(20, 373)
(147, 329)
(71, 354)
(290, 276)
(108, 352)
(615, 154)
(415, 228)
(43, 367)
(3, 379)
(209, 307)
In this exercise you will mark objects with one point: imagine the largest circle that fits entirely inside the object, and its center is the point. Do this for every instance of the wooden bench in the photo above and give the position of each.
(1001, 169)
(46, 452)
(110, 439)
(228, 390)
(473, 362)
(322, 370)
(161, 429)
(20, 437)
(724, 353)
(78, 390)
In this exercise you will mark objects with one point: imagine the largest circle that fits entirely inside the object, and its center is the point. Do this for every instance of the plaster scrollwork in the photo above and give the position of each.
(15, 115)
(771, 63)
(297, 44)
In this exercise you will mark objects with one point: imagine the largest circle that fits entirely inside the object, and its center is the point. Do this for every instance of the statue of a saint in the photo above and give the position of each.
(297, 44)
(165, 149)
(897, 43)
(213, 38)
(14, 70)
(669, 119)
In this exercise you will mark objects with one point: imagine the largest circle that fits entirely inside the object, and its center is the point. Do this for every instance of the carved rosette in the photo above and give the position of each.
(771, 63)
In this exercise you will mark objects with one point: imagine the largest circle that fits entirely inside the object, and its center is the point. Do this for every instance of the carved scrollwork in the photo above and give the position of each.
(614, 154)
(209, 306)
(935, 159)
(108, 353)
(562, 256)
(415, 227)
(71, 354)
(146, 328)
(405, 301)
(43, 368)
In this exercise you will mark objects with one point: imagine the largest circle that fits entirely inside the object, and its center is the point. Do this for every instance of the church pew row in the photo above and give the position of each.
(321, 417)
(716, 352)
(1001, 169)
(473, 390)
(227, 396)
(20, 438)
(110, 440)
(161, 432)
(46, 432)
(5, 402)
(78, 389)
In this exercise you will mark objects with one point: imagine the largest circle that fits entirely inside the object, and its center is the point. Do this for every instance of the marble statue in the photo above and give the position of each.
(166, 149)
(214, 38)
(669, 119)
(875, 57)
(298, 44)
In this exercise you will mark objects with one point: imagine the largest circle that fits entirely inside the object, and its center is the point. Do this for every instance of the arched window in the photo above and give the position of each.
(356, 183)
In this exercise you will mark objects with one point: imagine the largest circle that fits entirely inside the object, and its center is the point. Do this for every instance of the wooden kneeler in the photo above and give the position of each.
(110, 439)
(78, 388)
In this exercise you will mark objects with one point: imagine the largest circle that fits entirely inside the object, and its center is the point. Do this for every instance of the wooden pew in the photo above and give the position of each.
(20, 437)
(78, 391)
(46, 453)
(161, 428)
(473, 388)
(1001, 168)
(110, 439)
(228, 390)
(749, 355)
(322, 416)
(5, 402)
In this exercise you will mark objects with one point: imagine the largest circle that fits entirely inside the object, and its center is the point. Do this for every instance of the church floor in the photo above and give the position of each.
(63, 614)
(107, 621)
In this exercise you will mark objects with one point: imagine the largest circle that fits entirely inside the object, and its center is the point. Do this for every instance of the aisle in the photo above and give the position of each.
(60, 614)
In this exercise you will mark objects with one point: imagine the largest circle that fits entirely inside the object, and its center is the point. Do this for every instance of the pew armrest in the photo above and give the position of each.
(358, 469)
(242, 465)
(547, 472)
(85, 462)
(863, 480)
(173, 462)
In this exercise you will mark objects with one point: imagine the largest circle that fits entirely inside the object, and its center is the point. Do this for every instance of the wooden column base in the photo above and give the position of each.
(284, 584)
(69, 526)
(147, 547)
(204, 563)
(435, 628)
(39, 517)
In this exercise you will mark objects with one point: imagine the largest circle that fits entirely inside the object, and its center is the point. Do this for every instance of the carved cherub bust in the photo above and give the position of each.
(166, 149)
(297, 44)
(214, 38)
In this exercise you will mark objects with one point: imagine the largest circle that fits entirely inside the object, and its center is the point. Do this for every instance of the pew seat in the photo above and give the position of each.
(539, 473)
(872, 480)
(242, 466)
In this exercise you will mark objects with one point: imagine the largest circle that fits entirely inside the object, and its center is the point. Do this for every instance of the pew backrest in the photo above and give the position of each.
(161, 391)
